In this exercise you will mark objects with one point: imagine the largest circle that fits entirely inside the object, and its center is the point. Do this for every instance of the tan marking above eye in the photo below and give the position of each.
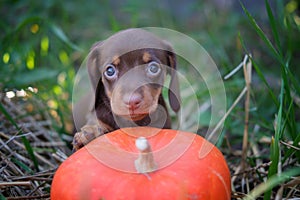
(146, 57)
(116, 60)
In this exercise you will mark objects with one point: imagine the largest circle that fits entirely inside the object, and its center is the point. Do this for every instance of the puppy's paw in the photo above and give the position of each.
(86, 135)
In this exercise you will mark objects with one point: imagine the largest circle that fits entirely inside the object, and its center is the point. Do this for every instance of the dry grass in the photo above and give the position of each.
(248, 181)
(21, 177)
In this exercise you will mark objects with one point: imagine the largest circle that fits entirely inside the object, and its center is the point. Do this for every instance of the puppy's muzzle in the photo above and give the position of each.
(133, 101)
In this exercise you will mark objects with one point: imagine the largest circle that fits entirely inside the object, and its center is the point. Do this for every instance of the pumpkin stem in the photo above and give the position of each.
(145, 162)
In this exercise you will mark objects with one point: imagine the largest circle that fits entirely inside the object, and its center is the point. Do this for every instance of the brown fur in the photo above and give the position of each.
(131, 95)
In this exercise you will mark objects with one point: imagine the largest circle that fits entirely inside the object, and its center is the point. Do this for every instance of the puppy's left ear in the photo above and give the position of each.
(174, 96)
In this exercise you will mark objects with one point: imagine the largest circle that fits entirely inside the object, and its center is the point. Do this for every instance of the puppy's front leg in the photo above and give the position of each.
(86, 135)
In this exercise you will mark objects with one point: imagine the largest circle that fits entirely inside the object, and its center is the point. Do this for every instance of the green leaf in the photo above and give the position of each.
(12, 34)
(22, 165)
(34, 76)
(261, 34)
(7, 115)
(62, 36)
(115, 26)
(294, 81)
(272, 182)
(275, 148)
(2, 197)
(284, 66)
(27, 21)
(273, 25)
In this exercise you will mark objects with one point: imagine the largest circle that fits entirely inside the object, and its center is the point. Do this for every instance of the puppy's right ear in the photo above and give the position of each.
(93, 65)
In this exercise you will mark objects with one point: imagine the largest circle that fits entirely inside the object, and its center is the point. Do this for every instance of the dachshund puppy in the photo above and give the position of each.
(127, 72)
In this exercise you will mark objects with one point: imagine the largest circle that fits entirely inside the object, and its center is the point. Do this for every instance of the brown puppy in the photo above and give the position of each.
(127, 72)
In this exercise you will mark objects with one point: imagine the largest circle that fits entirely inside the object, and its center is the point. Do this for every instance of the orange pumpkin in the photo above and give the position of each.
(164, 164)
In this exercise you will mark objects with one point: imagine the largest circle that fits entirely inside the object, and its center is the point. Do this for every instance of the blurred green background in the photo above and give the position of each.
(44, 42)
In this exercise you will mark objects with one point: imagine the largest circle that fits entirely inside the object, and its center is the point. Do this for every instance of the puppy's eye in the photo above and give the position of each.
(110, 72)
(153, 68)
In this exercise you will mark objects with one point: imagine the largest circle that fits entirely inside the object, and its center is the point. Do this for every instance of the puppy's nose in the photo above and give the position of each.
(133, 101)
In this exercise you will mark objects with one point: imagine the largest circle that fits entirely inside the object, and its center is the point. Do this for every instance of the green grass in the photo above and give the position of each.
(285, 127)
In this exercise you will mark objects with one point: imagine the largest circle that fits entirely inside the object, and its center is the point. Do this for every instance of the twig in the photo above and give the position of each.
(289, 145)
(41, 158)
(14, 137)
(46, 196)
(235, 70)
(32, 177)
(240, 95)
(252, 169)
(247, 69)
(227, 113)
(48, 144)
(247, 75)
(37, 189)
(293, 183)
(16, 183)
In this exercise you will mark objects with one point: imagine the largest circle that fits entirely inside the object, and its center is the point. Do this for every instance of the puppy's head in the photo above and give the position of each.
(130, 67)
